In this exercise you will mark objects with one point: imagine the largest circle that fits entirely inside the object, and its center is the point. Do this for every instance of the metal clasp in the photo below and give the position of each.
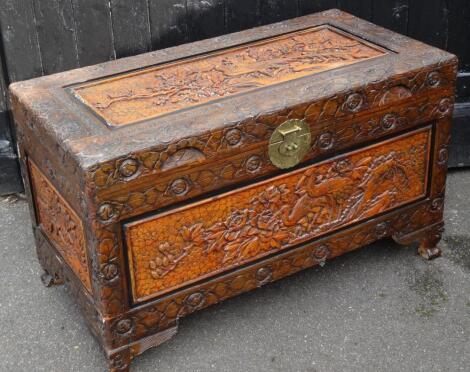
(289, 143)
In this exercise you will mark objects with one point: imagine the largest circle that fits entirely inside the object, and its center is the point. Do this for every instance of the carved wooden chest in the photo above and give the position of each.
(167, 182)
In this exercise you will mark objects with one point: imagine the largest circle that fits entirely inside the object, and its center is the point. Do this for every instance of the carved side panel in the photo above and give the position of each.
(175, 248)
(152, 92)
(60, 224)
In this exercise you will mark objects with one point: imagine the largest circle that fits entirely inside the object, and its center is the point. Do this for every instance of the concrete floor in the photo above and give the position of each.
(381, 308)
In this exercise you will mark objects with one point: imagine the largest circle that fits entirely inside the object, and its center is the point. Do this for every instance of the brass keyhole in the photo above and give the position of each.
(288, 149)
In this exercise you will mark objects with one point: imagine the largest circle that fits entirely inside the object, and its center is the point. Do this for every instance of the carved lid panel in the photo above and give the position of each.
(175, 248)
(160, 90)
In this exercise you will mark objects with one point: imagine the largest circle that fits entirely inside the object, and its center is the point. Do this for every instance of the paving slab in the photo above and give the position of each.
(380, 308)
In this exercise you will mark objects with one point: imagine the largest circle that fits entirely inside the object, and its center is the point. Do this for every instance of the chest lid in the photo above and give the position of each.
(164, 89)
(209, 101)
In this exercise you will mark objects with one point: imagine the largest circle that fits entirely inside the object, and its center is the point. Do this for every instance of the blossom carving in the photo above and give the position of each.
(61, 224)
(218, 234)
(245, 232)
(166, 258)
(168, 88)
(279, 216)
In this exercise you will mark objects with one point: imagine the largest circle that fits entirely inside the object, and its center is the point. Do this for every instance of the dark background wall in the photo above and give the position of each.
(40, 37)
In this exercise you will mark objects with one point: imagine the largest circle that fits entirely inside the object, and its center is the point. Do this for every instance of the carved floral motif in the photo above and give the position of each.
(109, 275)
(166, 258)
(227, 231)
(171, 87)
(260, 128)
(245, 232)
(168, 310)
(61, 224)
(128, 167)
(238, 168)
(279, 216)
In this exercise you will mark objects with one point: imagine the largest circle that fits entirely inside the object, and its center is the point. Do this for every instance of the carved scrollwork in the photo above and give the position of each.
(353, 102)
(124, 326)
(180, 186)
(264, 275)
(443, 155)
(434, 79)
(106, 212)
(326, 140)
(128, 168)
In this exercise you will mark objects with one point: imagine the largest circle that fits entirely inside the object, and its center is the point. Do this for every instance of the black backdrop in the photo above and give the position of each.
(40, 37)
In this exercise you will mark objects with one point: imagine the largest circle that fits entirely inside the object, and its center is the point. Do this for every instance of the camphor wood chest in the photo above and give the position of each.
(167, 182)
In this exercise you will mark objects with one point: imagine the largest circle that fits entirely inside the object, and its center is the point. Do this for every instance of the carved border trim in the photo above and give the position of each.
(159, 314)
(238, 168)
(225, 142)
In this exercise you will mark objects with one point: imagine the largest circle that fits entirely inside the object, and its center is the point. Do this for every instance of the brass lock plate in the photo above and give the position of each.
(289, 143)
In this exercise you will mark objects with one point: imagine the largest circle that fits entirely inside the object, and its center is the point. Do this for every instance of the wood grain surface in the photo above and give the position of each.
(195, 205)
(132, 97)
(202, 239)
(60, 223)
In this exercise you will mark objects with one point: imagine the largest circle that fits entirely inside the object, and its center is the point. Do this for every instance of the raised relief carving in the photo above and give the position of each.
(60, 224)
(253, 163)
(179, 186)
(213, 145)
(238, 167)
(246, 232)
(106, 212)
(163, 89)
(264, 275)
(354, 102)
(170, 308)
(445, 106)
(434, 79)
(180, 157)
(165, 259)
(220, 233)
(128, 168)
(321, 253)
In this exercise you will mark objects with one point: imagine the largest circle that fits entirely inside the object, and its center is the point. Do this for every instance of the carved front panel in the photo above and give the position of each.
(60, 224)
(180, 246)
(152, 92)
